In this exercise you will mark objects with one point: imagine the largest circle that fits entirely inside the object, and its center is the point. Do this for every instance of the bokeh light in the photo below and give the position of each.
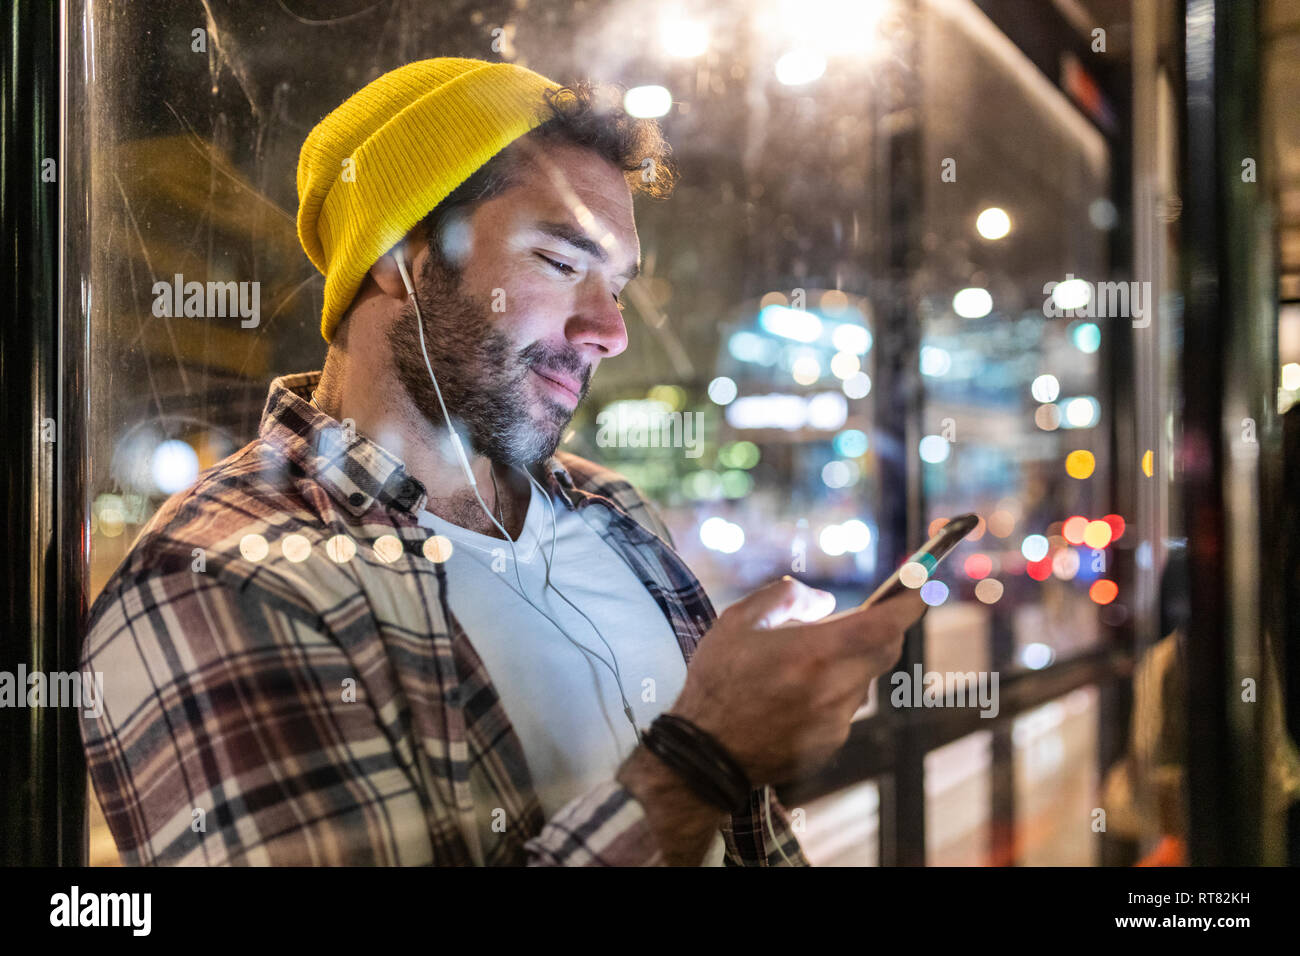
(1047, 417)
(977, 566)
(647, 102)
(934, 449)
(934, 593)
(1045, 388)
(722, 390)
(1097, 534)
(1074, 528)
(1080, 464)
(1103, 591)
(972, 303)
(1034, 547)
(993, 223)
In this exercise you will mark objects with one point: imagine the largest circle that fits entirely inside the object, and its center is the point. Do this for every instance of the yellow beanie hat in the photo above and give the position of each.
(379, 163)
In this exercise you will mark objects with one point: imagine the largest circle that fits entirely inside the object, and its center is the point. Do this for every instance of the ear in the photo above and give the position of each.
(386, 274)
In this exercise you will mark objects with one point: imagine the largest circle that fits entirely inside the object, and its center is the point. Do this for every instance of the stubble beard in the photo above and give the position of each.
(484, 378)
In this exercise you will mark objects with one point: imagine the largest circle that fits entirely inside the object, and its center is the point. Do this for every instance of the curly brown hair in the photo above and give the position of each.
(584, 115)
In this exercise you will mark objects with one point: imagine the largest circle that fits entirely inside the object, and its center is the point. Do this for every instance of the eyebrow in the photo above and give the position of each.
(580, 240)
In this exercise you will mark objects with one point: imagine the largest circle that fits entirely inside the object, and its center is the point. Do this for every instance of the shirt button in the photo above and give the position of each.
(356, 498)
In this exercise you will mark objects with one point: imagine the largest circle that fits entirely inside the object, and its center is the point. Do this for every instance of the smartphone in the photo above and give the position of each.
(928, 558)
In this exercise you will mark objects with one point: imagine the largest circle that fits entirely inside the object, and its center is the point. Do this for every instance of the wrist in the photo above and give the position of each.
(700, 760)
(683, 823)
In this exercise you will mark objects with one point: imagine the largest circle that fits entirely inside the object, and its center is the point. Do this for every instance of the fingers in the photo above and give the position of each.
(784, 600)
(866, 630)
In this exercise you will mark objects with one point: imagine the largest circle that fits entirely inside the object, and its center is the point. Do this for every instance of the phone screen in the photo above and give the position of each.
(920, 566)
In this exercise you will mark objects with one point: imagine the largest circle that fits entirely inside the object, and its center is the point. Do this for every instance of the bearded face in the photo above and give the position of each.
(519, 298)
(489, 381)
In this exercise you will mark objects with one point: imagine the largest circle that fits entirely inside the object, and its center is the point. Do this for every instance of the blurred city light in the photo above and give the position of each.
(989, 590)
(977, 566)
(722, 390)
(840, 473)
(1080, 464)
(833, 540)
(797, 324)
(1071, 294)
(857, 536)
(1047, 417)
(750, 347)
(972, 303)
(1103, 591)
(647, 102)
(935, 362)
(684, 38)
(850, 443)
(799, 67)
(1045, 388)
(1065, 563)
(993, 223)
(934, 449)
(912, 574)
(1103, 214)
(1001, 523)
(174, 465)
(851, 338)
(1081, 412)
(845, 365)
(1074, 528)
(1086, 337)
(807, 370)
(1036, 656)
(826, 410)
(934, 593)
(857, 386)
(1097, 535)
(719, 534)
(739, 454)
(1034, 547)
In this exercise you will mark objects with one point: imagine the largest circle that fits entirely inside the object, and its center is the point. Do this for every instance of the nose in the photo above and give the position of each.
(597, 324)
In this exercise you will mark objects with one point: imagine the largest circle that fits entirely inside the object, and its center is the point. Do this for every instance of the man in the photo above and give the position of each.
(398, 628)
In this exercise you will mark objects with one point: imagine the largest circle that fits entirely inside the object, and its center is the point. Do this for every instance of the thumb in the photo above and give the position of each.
(784, 600)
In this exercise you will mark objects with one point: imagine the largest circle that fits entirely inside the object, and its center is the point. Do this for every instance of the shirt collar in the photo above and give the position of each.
(354, 470)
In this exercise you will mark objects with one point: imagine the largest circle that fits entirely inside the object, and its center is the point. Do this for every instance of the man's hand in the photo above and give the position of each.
(777, 682)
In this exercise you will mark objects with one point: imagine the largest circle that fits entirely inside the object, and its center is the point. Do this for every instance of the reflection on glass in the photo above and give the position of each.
(958, 795)
(1055, 748)
(843, 828)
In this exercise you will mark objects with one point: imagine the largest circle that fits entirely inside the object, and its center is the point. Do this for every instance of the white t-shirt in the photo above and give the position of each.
(562, 702)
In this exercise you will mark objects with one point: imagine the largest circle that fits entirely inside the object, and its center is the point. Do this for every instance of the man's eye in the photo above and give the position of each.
(561, 267)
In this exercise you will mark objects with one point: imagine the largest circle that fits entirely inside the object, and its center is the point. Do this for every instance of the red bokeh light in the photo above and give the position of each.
(1039, 570)
(978, 566)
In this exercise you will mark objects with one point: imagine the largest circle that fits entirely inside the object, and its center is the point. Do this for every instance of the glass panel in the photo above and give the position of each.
(1012, 425)
(843, 828)
(1056, 790)
(958, 795)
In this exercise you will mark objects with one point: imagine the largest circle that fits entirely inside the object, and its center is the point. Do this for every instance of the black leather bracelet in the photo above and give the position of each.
(700, 760)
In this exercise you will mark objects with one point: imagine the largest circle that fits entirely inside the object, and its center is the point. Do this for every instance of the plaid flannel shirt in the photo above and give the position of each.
(284, 682)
